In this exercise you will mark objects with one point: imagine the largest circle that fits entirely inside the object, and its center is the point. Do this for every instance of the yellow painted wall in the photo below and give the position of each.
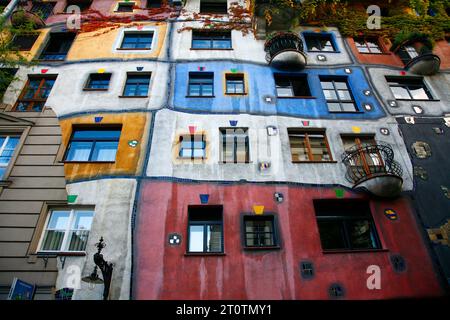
(99, 45)
(129, 160)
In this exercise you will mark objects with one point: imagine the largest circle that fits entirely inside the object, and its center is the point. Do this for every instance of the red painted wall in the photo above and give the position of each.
(162, 271)
(386, 58)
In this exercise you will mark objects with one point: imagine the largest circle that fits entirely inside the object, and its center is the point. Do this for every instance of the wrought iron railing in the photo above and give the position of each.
(282, 41)
(367, 160)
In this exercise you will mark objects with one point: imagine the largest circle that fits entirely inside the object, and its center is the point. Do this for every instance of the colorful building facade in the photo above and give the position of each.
(220, 157)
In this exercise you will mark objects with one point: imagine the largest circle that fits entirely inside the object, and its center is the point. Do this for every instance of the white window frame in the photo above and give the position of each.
(2, 148)
(64, 243)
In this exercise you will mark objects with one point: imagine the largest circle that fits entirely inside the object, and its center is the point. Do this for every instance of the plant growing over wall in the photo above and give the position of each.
(409, 37)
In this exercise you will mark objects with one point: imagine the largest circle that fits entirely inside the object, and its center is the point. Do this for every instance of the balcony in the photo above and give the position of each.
(373, 168)
(22, 17)
(285, 51)
(426, 64)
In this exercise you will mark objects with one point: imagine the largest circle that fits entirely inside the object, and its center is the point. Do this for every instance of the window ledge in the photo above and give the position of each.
(323, 52)
(134, 49)
(61, 253)
(204, 254)
(236, 94)
(247, 162)
(262, 248)
(91, 89)
(314, 161)
(351, 112)
(203, 97)
(354, 251)
(378, 54)
(128, 97)
(423, 100)
(75, 162)
(298, 97)
(211, 49)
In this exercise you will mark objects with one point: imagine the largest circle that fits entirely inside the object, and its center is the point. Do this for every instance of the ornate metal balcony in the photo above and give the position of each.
(373, 168)
(419, 59)
(285, 51)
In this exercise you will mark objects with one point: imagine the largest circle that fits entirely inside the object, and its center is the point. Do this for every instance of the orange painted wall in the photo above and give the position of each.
(129, 160)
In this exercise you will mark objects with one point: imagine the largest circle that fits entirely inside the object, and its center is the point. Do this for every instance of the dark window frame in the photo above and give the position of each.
(211, 36)
(316, 37)
(35, 99)
(134, 74)
(105, 127)
(239, 78)
(33, 35)
(205, 223)
(343, 221)
(207, 77)
(398, 80)
(97, 75)
(211, 7)
(140, 35)
(341, 102)
(223, 141)
(291, 78)
(121, 5)
(299, 131)
(275, 231)
(45, 55)
(366, 40)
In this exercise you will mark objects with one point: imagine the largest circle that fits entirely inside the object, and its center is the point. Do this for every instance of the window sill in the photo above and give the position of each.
(204, 254)
(61, 253)
(134, 49)
(86, 162)
(203, 97)
(191, 158)
(423, 100)
(351, 112)
(262, 248)
(332, 161)
(91, 89)
(128, 97)
(377, 54)
(236, 94)
(244, 162)
(322, 52)
(213, 49)
(340, 251)
(298, 97)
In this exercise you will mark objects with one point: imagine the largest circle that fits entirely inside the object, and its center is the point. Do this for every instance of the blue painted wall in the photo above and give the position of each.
(261, 83)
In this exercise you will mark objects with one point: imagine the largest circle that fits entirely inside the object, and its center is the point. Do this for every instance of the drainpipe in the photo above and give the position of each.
(9, 9)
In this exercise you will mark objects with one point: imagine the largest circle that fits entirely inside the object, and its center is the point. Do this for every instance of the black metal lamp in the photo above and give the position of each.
(105, 267)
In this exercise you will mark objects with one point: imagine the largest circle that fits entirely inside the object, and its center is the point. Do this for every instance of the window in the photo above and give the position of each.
(201, 84)
(292, 85)
(309, 145)
(368, 45)
(43, 9)
(338, 95)
(205, 229)
(346, 225)
(125, 7)
(7, 146)
(409, 88)
(24, 42)
(93, 144)
(58, 46)
(368, 160)
(235, 145)
(137, 85)
(35, 93)
(67, 230)
(98, 81)
(211, 39)
(235, 83)
(192, 146)
(219, 7)
(137, 40)
(154, 3)
(319, 42)
(407, 53)
(260, 231)
(84, 5)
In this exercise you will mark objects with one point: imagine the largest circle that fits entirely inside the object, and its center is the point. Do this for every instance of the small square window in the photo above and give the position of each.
(368, 45)
(125, 7)
(217, 7)
(24, 42)
(338, 94)
(292, 85)
(94, 144)
(137, 41)
(137, 85)
(201, 84)
(205, 229)
(98, 81)
(235, 145)
(235, 83)
(319, 42)
(309, 145)
(192, 146)
(260, 231)
(67, 230)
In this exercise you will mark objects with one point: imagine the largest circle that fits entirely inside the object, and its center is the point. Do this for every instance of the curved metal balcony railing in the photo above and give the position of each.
(285, 50)
(368, 161)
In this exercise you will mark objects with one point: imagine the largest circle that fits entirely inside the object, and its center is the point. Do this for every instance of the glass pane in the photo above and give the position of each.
(341, 85)
(53, 240)
(97, 134)
(361, 235)
(199, 153)
(83, 220)
(331, 235)
(214, 238)
(207, 90)
(419, 94)
(284, 92)
(79, 151)
(2, 172)
(334, 107)
(105, 151)
(78, 240)
(59, 220)
(344, 95)
(363, 49)
(195, 238)
(221, 44)
(194, 90)
(298, 149)
(330, 94)
(349, 107)
(400, 93)
(319, 149)
(327, 85)
(201, 44)
(186, 153)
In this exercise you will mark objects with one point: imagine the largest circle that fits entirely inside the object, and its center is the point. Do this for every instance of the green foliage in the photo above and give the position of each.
(405, 37)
